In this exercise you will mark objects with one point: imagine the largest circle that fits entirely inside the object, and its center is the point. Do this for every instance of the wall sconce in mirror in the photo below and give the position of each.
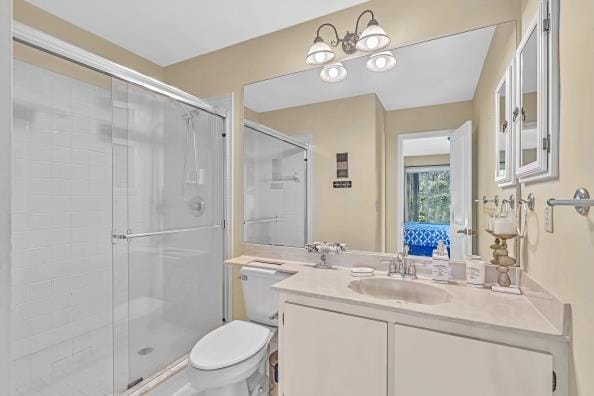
(381, 61)
(333, 72)
(372, 39)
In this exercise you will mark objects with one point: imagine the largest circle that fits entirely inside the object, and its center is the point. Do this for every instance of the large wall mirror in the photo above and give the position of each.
(391, 153)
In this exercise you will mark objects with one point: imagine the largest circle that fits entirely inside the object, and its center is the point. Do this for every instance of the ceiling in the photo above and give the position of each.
(425, 146)
(168, 32)
(444, 70)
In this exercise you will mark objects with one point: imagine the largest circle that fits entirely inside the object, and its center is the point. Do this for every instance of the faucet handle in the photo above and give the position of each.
(311, 247)
(412, 270)
(405, 250)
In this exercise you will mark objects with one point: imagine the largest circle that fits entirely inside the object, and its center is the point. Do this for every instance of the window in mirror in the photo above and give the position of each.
(536, 112)
(427, 208)
(504, 170)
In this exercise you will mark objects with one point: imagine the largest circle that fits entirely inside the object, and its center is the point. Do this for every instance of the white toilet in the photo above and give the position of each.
(232, 359)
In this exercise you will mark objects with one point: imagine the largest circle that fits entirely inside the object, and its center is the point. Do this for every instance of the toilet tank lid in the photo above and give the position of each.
(228, 345)
(264, 273)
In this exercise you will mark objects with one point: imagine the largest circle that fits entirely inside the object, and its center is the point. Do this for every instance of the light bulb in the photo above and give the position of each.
(320, 57)
(380, 62)
(332, 73)
(372, 42)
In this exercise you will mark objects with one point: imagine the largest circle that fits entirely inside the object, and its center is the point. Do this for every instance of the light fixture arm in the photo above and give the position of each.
(372, 21)
(334, 43)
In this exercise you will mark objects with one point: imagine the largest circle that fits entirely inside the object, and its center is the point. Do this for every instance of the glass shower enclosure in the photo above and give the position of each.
(275, 188)
(118, 212)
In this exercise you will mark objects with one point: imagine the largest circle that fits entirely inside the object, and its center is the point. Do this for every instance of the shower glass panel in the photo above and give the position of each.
(275, 191)
(168, 214)
(61, 227)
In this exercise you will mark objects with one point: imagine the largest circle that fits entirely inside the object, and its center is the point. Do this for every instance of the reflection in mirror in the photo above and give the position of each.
(502, 129)
(504, 160)
(529, 99)
(275, 188)
(366, 190)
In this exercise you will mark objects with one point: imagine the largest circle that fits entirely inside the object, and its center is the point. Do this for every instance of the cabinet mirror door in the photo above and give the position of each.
(504, 169)
(536, 105)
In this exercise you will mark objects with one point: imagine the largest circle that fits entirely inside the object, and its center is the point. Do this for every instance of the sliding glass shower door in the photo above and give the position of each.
(168, 229)
(275, 190)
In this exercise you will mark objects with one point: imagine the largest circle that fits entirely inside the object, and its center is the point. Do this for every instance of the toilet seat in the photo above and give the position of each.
(229, 345)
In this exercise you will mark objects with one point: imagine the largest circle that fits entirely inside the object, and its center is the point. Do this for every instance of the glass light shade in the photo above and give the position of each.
(373, 38)
(381, 61)
(319, 53)
(333, 72)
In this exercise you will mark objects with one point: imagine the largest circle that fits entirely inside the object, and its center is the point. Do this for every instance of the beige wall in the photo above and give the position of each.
(345, 125)
(501, 53)
(420, 119)
(380, 167)
(48, 23)
(251, 115)
(562, 261)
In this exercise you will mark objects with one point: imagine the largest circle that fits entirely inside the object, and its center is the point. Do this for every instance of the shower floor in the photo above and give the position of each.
(92, 374)
(89, 375)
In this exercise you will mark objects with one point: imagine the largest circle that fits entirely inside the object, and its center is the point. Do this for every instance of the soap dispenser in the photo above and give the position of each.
(441, 264)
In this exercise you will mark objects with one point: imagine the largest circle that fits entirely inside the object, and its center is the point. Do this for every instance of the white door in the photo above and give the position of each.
(430, 363)
(330, 354)
(461, 191)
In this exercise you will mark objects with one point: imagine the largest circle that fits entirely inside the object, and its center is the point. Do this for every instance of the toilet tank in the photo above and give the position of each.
(261, 301)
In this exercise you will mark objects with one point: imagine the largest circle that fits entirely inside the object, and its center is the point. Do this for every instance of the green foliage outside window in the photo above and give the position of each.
(428, 195)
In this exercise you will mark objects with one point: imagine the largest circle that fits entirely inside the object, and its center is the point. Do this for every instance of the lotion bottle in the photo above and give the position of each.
(441, 264)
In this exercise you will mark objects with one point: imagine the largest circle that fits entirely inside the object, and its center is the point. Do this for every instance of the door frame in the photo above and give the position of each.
(400, 170)
(5, 199)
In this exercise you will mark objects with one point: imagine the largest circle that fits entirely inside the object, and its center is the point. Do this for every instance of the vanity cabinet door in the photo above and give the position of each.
(330, 354)
(430, 363)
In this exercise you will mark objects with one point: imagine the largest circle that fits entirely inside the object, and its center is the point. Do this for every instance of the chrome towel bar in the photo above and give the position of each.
(581, 201)
(166, 232)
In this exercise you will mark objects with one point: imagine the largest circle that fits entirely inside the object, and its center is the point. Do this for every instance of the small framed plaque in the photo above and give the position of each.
(342, 184)
(342, 165)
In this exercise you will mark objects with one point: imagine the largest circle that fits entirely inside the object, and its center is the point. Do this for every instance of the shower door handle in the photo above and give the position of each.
(166, 232)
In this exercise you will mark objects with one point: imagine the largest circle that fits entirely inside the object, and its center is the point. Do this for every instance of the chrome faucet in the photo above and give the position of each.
(402, 266)
(393, 265)
(325, 248)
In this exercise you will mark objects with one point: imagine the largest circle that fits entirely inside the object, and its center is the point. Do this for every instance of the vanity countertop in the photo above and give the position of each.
(470, 306)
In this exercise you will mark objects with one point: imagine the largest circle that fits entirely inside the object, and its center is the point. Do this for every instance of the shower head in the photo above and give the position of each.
(189, 114)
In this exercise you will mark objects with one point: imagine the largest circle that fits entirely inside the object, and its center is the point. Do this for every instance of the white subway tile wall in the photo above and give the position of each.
(62, 332)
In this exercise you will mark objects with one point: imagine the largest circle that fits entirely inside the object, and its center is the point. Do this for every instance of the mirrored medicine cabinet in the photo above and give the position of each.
(527, 104)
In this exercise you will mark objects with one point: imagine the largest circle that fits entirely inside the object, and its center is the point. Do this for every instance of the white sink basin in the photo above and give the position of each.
(404, 291)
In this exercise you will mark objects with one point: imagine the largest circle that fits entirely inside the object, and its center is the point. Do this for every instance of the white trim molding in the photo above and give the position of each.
(5, 174)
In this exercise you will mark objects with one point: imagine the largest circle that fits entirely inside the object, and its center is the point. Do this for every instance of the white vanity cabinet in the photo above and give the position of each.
(330, 353)
(429, 363)
(327, 353)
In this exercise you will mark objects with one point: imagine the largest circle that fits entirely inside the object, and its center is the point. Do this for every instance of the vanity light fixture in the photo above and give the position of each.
(373, 38)
(333, 72)
(319, 53)
(382, 61)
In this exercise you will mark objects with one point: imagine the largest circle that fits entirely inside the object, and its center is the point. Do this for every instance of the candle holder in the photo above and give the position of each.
(501, 257)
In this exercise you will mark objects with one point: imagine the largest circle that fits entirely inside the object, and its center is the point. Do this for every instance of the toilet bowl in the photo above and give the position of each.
(231, 360)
